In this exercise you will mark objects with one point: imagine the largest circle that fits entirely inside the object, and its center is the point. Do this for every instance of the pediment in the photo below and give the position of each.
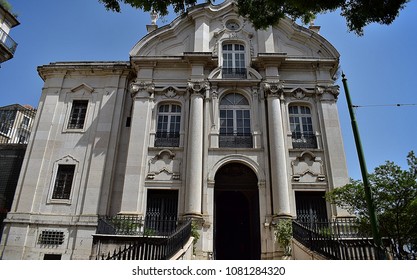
(83, 87)
(180, 35)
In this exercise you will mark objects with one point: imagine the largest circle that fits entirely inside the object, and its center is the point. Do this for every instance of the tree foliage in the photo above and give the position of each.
(395, 197)
(263, 13)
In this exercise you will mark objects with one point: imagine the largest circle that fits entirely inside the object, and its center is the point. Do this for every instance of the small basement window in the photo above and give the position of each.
(51, 237)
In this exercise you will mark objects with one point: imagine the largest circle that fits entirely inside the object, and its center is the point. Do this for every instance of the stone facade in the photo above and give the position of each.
(235, 122)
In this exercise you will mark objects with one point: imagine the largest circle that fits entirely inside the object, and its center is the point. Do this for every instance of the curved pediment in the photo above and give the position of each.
(205, 27)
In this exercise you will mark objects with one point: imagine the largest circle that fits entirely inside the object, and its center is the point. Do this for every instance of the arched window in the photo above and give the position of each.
(301, 126)
(168, 126)
(234, 61)
(235, 128)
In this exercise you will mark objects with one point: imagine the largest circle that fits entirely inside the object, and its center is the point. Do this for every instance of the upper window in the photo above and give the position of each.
(235, 129)
(233, 61)
(78, 114)
(63, 181)
(301, 126)
(168, 126)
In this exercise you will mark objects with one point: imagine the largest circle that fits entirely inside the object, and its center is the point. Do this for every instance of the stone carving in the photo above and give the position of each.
(170, 92)
(274, 88)
(307, 168)
(333, 90)
(198, 86)
(138, 86)
(299, 93)
(164, 167)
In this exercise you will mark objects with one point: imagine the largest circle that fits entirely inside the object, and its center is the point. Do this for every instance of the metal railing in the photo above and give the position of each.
(337, 240)
(238, 140)
(7, 41)
(304, 140)
(133, 225)
(153, 248)
(167, 139)
(234, 73)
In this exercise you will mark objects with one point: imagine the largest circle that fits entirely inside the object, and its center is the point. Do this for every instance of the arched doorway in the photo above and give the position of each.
(236, 213)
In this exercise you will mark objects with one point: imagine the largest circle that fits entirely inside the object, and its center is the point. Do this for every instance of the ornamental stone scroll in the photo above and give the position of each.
(140, 87)
(198, 86)
(274, 88)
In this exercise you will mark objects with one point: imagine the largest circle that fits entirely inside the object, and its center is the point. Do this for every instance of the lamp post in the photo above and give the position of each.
(368, 193)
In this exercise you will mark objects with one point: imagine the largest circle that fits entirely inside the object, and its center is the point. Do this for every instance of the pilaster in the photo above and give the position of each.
(133, 198)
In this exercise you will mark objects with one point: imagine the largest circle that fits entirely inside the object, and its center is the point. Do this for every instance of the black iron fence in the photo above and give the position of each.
(153, 248)
(340, 240)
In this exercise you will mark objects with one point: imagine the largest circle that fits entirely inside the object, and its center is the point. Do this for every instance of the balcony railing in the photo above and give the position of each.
(7, 41)
(234, 73)
(237, 140)
(304, 140)
(167, 139)
(132, 225)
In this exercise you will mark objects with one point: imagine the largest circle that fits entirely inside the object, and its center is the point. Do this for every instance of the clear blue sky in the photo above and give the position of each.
(380, 66)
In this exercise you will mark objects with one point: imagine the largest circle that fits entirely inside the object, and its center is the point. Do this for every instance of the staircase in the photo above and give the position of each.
(337, 240)
(177, 244)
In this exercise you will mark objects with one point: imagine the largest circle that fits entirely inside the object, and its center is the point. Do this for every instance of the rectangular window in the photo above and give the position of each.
(63, 181)
(78, 113)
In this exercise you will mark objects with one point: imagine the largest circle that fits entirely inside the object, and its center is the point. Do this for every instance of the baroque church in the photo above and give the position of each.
(210, 120)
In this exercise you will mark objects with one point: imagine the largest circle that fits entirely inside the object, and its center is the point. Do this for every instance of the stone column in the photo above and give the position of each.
(194, 181)
(277, 150)
(133, 197)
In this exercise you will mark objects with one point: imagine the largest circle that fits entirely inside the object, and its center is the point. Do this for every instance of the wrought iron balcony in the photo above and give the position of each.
(234, 73)
(167, 139)
(236, 140)
(304, 140)
(7, 42)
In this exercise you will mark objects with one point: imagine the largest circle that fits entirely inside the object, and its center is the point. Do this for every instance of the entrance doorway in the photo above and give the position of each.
(236, 214)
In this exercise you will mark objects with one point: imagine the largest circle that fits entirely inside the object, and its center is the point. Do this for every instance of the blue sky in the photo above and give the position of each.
(380, 66)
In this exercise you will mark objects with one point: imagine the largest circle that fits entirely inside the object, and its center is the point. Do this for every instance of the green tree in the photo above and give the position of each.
(395, 196)
(263, 13)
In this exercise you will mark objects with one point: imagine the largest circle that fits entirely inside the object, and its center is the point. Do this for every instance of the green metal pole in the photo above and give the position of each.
(368, 193)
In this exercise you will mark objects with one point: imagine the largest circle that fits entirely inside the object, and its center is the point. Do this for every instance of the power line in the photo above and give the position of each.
(385, 105)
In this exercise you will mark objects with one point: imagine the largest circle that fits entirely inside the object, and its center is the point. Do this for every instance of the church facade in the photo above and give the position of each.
(211, 119)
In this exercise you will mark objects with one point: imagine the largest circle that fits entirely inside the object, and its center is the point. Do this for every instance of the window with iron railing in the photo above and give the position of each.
(233, 61)
(301, 126)
(235, 125)
(168, 126)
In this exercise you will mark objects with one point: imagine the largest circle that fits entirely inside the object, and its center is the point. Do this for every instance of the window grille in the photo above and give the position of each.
(51, 237)
(63, 181)
(78, 113)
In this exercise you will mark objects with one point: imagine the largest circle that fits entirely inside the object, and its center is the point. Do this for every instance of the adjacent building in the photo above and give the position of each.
(210, 119)
(7, 45)
(15, 126)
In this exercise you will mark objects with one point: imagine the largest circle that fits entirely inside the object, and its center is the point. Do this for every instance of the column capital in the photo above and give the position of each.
(273, 88)
(198, 86)
(333, 90)
(141, 86)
